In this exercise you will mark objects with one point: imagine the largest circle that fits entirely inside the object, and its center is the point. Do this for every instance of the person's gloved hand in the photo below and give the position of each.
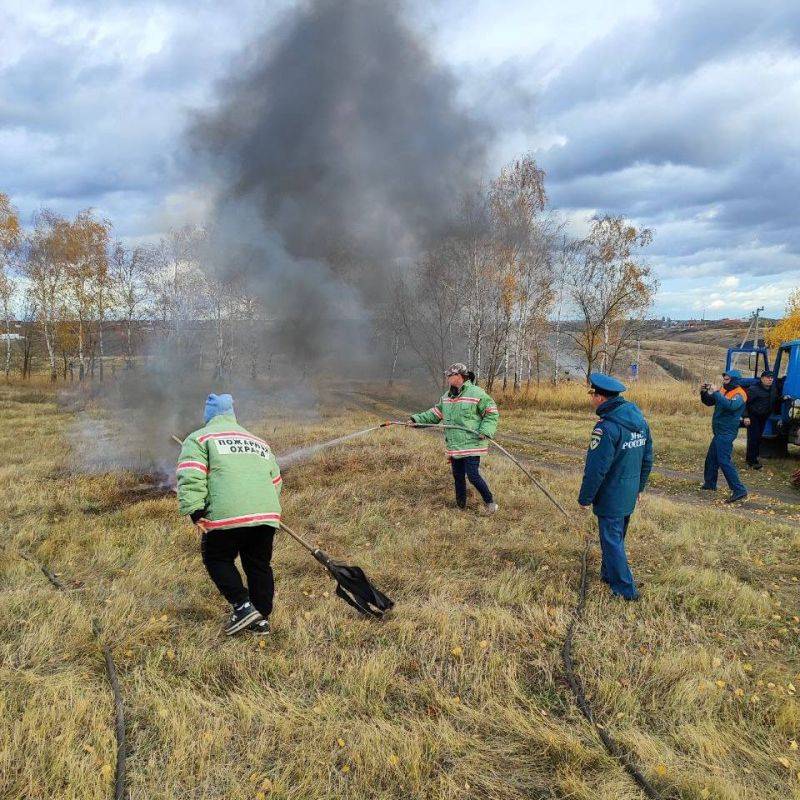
(196, 516)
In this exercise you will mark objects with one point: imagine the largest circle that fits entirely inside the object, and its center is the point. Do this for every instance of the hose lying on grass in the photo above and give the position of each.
(573, 680)
(113, 680)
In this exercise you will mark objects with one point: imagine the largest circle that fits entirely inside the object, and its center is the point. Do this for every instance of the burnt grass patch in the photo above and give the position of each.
(137, 488)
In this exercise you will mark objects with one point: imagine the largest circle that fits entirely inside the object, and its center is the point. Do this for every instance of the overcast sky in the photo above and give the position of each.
(684, 116)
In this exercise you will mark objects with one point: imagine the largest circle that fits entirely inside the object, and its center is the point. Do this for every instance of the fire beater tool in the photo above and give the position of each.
(352, 584)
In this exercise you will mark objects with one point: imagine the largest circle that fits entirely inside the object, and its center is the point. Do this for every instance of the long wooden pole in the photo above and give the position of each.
(500, 447)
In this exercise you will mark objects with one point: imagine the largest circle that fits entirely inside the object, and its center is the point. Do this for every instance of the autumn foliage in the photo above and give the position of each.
(789, 327)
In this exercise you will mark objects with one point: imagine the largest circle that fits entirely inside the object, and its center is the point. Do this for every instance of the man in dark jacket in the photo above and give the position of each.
(618, 464)
(761, 399)
(729, 402)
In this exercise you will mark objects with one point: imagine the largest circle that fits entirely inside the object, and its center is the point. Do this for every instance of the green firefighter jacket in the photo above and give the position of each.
(473, 409)
(231, 474)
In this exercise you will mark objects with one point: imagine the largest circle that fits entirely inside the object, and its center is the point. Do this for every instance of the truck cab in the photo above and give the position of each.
(750, 358)
(784, 424)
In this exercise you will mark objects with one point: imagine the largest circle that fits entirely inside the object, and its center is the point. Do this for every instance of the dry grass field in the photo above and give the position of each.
(459, 694)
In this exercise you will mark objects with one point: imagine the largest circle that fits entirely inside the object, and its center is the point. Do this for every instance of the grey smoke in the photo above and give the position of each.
(337, 150)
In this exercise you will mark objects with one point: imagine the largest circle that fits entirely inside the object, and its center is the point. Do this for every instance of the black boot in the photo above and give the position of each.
(735, 498)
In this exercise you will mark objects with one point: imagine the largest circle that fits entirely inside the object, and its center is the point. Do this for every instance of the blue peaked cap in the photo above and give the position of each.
(217, 404)
(605, 383)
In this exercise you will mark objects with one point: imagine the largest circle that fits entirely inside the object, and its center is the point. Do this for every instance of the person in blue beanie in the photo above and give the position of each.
(729, 402)
(229, 485)
(618, 465)
(217, 404)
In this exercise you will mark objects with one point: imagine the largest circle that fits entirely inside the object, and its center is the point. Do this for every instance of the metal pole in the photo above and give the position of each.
(500, 447)
(558, 315)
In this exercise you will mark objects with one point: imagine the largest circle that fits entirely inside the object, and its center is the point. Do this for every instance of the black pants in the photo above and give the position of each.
(755, 430)
(464, 468)
(254, 545)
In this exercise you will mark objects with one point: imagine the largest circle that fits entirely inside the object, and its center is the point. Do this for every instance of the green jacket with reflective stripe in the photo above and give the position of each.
(229, 473)
(471, 408)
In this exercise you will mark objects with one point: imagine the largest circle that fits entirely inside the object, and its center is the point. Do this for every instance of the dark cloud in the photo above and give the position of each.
(687, 123)
(684, 117)
(682, 38)
(94, 102)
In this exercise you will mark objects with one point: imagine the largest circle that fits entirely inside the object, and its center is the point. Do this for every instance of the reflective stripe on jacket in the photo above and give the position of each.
(472, 408)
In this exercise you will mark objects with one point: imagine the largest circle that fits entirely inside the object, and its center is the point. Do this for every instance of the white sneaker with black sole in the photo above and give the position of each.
(242, 616)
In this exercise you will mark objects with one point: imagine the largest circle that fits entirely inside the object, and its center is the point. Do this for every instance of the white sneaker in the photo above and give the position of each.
(489, 509)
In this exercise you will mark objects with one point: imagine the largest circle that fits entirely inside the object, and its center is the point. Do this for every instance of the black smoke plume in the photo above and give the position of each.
(337, 151)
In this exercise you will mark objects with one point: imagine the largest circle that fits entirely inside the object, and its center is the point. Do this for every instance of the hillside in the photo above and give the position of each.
(461, 692)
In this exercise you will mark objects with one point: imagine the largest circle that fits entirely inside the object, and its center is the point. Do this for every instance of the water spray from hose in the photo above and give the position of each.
(304, 453)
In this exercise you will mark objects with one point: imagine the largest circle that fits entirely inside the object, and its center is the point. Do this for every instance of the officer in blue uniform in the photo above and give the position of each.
(618, 464)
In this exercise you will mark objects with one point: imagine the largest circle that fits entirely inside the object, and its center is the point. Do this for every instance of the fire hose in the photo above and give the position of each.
(535, 481)
(353, 584)
(113, 680)
(573, 680)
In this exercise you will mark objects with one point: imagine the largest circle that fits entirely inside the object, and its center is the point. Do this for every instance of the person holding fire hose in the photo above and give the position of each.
(229, 484)
(618, 465)
(467, 405)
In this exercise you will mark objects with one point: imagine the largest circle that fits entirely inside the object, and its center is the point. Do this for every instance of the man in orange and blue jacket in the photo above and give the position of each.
(729, 402)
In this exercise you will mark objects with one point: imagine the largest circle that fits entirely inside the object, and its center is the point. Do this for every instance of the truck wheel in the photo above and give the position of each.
(774, 447)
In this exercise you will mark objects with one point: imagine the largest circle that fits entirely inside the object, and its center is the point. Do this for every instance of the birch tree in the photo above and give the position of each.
(8, 290)
(85, 243)
(428, 304)
(10, 240)
(610, 286)
(45, 269)
(175, 277)
(517, 283)
(130, 272)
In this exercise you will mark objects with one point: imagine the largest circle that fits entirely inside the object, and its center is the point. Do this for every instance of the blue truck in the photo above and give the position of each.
(783, 425)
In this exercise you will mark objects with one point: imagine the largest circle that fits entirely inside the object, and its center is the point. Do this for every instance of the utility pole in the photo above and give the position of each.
(755, 333)
(752, 328)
